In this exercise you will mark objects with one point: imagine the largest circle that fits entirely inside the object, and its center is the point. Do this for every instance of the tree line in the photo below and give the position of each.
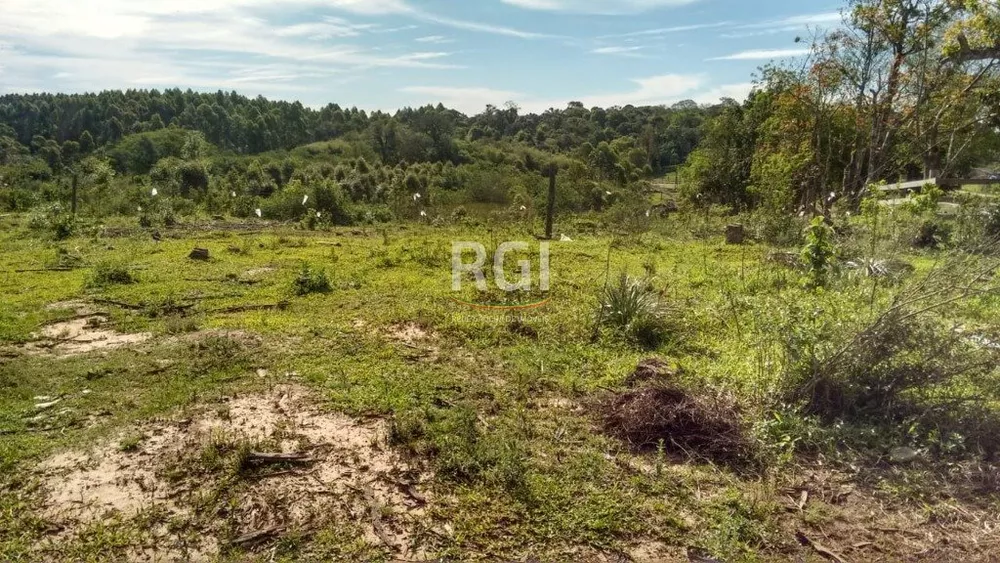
(903, 90)
(62, 126)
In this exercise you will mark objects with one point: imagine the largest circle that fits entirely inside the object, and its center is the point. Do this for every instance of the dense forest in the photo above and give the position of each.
(903, 89)
(186, 143)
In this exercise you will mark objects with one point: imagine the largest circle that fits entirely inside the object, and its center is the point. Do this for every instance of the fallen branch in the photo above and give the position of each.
(281, 306)
(120, 304)
(52, 269)
(409, 490)
(818, 547)
(266, 457)
(258, 536)
(375, 513)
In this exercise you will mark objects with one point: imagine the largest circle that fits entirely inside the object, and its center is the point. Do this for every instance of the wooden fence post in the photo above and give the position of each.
(75, 178)
(551, 209)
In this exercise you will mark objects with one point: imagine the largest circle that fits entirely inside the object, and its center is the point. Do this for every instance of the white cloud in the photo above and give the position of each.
(329, 28)
(760, 32)
(436, 39)
(809, 19)
(738, 92)
(762, 54)
(617, 50)
(667, 30)
(656, 90)
(227, 46)
(480, 27)
(607, 7)
(469, 101)
(800, 21)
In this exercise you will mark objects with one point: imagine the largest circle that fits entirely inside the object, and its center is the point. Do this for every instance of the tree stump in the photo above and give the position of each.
(199, 254)
(735, 234)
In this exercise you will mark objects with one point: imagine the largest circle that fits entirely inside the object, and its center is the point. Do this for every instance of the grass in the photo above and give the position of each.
(501, 419)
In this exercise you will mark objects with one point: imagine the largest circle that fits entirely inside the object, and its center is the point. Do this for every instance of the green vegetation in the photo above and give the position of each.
(313, 388)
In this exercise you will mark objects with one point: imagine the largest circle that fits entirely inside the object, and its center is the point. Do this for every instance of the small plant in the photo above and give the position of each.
(893, 270)
(633, 308)
(926, 201)
(932, 234)
(819, 252)
(67, 259)
(311, 280)
(131, 442)
(219, 354)
(112, 273)
(176, 324)
(55, 219)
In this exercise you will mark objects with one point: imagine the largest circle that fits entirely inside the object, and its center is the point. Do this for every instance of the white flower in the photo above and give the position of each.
(232, 194)
(318, 214)
(257, 211)
(647, 213)
(305, 198)
(416, 197)
(154, 192)
(140, 209)
(423, 214)
(523, 208)
(609, 193)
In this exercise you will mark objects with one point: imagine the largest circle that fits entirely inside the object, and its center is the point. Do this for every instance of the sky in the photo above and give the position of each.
(389, 54)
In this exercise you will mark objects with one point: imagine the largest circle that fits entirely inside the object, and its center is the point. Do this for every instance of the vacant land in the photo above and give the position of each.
(321, 395)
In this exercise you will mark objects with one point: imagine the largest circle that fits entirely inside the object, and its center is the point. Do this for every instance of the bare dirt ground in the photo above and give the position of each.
(87, 332)
(319, 466)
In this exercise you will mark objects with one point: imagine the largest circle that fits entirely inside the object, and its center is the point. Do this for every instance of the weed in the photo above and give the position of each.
(219, 354)
(177, 324)
(311, 280)
(818, 252)
(112, 273)
(634, 309)
(627, 301)
(131, 442)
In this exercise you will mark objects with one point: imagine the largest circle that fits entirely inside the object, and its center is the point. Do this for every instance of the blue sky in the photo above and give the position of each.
(387, 54)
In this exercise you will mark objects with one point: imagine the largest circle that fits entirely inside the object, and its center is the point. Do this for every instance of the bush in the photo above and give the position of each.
(905, 366)
(633, 308)
(931, 234)
(311, 281)
(627, 301)
(111, 273)
(818, 253)
(463, 452)
(54, 219)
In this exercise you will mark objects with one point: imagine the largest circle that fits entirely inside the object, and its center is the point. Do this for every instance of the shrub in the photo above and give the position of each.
(633, 308)
(310, 280)
(818, 253)
(54, 219)
(112, 273)
(462, 451)
(905, 366)
(627, 301)
(931, 234)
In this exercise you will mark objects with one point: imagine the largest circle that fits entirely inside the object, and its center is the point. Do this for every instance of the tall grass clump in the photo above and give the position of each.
(311, 280)
(633, 309)
(904, 365)
(112, 273)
